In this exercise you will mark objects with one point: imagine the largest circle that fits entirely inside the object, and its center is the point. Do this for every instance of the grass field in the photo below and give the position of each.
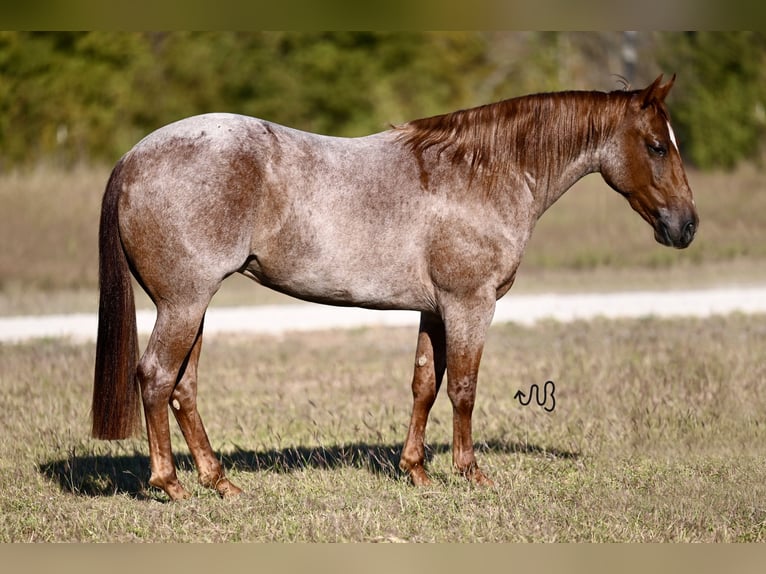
(657, 435)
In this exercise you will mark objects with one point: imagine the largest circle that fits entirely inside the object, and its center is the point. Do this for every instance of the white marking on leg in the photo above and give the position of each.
(422, 360)
(176, 405)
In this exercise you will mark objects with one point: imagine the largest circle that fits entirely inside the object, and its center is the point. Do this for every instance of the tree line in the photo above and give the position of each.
(87, 97)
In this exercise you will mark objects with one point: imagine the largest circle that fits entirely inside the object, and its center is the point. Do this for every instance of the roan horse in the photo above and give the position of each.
(431, 216)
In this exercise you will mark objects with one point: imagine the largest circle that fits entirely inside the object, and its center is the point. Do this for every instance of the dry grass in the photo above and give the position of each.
(49, 228)
(657, 435)
(589, 240)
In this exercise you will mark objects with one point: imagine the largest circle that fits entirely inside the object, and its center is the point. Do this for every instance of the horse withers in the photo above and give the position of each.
(432, 216)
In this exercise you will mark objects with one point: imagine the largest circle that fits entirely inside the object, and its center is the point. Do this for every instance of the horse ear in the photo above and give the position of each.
(657, 91)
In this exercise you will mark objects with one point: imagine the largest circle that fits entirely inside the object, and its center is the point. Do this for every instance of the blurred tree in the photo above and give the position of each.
(353, 83)
(65, 95)
(718, 106)
(89, 96)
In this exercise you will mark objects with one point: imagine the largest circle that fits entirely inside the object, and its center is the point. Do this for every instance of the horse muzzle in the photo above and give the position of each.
(677, 229)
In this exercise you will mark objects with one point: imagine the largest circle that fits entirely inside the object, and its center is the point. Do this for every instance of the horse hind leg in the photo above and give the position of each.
(184, 406)
(159, 370)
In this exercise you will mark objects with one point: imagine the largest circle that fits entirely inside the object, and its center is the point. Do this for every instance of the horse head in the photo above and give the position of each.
(642, 162)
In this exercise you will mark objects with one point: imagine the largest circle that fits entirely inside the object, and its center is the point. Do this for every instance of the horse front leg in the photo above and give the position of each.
(466, 328)
(430, 363)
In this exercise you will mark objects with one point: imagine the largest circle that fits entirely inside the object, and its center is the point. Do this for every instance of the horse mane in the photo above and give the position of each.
(537, 133)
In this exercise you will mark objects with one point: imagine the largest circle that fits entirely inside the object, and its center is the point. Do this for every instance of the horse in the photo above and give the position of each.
(432, 215)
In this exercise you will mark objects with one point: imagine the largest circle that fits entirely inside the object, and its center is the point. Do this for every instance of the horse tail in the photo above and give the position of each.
(116, 403)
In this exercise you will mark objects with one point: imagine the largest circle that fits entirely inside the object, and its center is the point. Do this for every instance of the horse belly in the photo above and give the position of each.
(362, 281)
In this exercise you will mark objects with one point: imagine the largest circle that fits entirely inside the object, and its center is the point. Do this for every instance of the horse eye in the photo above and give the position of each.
(657, 149)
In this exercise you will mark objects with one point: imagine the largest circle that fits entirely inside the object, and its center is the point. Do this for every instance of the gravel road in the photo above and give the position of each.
(524, 309)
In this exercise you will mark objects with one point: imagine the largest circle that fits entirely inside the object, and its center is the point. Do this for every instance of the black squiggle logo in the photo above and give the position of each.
(536, 390)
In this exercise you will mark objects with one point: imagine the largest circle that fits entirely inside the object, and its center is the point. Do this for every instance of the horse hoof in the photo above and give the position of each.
(419, 477)
(479, 478)
(475, 476)
(177, 492)
(482, 480)
(172, 488)
(227, 489)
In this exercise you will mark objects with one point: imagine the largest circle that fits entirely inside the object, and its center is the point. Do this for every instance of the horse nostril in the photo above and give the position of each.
(687, 233)
(689, 230)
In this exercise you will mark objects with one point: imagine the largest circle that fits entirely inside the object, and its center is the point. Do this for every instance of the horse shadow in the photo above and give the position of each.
(107, 475)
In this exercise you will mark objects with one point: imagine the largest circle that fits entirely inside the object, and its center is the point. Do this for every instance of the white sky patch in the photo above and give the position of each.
(672, 136)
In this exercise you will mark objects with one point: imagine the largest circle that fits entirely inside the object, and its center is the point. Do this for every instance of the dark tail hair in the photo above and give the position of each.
(116, 398)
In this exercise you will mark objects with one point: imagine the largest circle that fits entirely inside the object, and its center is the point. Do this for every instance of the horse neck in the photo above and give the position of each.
(560, 138)
(548, 140)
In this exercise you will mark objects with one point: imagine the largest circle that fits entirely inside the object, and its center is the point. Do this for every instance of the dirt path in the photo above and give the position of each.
(524, 309)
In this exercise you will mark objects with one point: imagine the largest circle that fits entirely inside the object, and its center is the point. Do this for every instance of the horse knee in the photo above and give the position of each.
(462, 394)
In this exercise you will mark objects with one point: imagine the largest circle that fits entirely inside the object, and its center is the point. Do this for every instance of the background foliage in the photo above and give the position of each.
(720, 102)
(84, 97)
